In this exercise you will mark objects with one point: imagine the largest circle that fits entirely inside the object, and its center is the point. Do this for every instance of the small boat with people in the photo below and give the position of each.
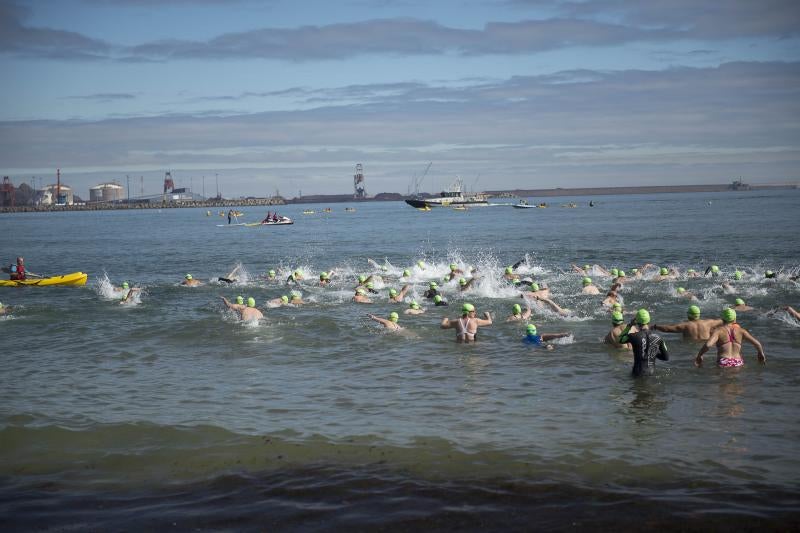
(280, 221)
(350, 209)
(523, 204)
(453, 196)
(74, 279)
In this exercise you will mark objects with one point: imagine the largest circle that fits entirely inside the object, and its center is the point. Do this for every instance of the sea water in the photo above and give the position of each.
(168, 411)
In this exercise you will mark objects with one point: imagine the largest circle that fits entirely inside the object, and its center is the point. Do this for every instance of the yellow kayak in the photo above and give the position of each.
(75, 279)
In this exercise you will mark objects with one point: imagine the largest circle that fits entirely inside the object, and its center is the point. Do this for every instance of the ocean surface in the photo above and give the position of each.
(169, 412)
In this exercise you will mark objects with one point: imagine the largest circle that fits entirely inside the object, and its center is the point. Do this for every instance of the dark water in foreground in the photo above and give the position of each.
(170, 413)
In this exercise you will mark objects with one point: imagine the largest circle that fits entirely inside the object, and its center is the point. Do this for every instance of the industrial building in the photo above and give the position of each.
(106, 192)
(48, 194)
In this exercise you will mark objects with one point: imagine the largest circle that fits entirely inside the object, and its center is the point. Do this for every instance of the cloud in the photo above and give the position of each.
(103, 97)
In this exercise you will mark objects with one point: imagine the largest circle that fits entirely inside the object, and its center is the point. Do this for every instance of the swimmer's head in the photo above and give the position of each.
(634, 271)
(517, 309)
(406, 273)
(125, 285)
(271, 273)
(360, 291)
(728, 315)
(509, 270)
(516, 281)
(642, 317)
(690, 271)
(681, 290)
(530, 329)
(714, 269)
(614, 272)
(413, 305)
(240, 300)
(739, 301)
(285, 299)
(295, 295)
(437, 299)
(394, 317)
(462, 281)
(392, 292)
(188, 276)
(467, 308)
(534, 287)
(769, 274)
(433, 285)
(420, 264)
(370, 285)
(586, 267)
(323, 276)
(737, 275)
(384, 268)
(362, 278)
(251, 302)
(587, 281)
(621, 274)
(664, 271)
(453, 267)
(617, 318)
(693, 312)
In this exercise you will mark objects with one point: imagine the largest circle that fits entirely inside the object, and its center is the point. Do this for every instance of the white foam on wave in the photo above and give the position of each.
(105, 289)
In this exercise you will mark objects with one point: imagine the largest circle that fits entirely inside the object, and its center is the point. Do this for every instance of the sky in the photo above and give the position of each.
(253, 97)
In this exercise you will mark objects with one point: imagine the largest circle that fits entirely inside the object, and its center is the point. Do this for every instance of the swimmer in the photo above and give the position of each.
(683, 293)
(769, 274)
(537, 292)
(230, 277)
(278, 302)
(713, 270)
(464, 284)
(421, 264)
(360, 296)
(617, 325)
(666, 274)
(728, 339)
(454, 271)
(518, 315)
(189, 281)
(247, 313)
(534, 339)
(128, 298)
(325, 278)
(467, 325)
(740, 307)
(406, 273)
(694, 329)
(395, 296)
(295, 277)
(433, 290)
(388, 324)
(124, 288)
(737, 275)
(240, 300)
(792, 311)
(439, 301)
(616, 307)
(414, 309)
(692, 273)
(552, 305)
(635, 272)
(647, 346)
(621, 278)
(4, 309)
(509, 274)
(295, 298)
(271, 275)
(588, 288)
(582, 271)
(611, 299)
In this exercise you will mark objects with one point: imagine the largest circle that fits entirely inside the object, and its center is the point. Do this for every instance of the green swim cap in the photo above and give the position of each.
(737, 275)
(509, 270)
(239, 300)
(586, 267)
(433, 284)
(467, 308)
(271, 273)
(691, 271)
(362, 278)
(634, 271)
(681, 290)
(534, 287)
(437, 298)
(297, 273)
(453, 266)
(614, 272)
(714, 268)
(617, 318)
(445, 279)
(285, 299)
(616, 307)
(406, 273)
(769, 273)
(392, 292)
(462, 281)
(394, 317)
(531, 329)
(517, 309)
(420, 263)
(739, 301)
(360, 291)
(642, 317)
(251, 302)
(587, 281)
(693, 311)
(621, 273)
(728, 316)
(188, 276)
(323, 276)
(664, 271)
(516, 281)
(370, 285)
(414, 305)
(124, 284)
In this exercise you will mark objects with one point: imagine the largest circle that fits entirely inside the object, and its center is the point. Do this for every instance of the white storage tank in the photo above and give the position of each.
(106, 192)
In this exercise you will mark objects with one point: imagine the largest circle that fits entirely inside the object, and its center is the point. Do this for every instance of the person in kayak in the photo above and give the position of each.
(728, 339)
(18, 270)
(694, 329)
(247, 313)
(467, 325)
(647, 346)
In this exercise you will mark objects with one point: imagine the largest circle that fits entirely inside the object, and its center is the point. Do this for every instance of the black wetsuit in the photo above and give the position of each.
(647, 347)
(431, 293)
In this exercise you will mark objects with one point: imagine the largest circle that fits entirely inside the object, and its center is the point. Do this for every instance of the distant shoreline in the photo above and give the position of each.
(395, 197)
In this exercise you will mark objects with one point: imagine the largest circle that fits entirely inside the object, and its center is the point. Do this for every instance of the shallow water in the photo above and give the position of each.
(168, 410)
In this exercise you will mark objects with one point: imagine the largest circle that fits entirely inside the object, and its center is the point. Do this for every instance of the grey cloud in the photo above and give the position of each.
(103, 97)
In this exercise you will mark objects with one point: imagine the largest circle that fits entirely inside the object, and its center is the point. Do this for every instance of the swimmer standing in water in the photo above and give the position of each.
(647, 346)
(728, 339)
(694, 329)
(247, 313)
(534, 339)
(467, 325)
(588, 287)
(617, 325)
(517, 314)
